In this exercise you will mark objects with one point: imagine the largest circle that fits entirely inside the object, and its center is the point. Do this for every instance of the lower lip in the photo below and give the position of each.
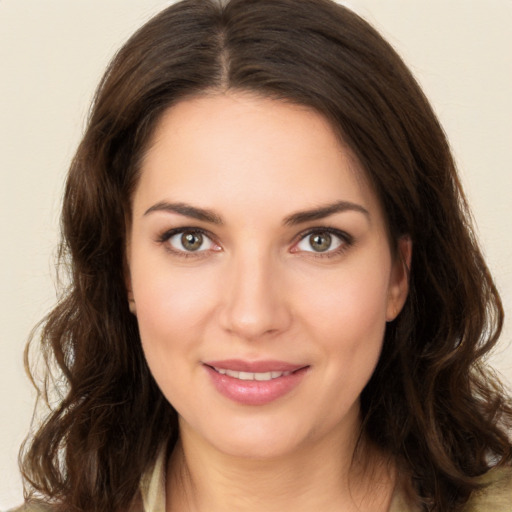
(255, 392)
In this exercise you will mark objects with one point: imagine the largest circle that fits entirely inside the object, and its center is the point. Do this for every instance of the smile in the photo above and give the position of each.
(255, 383)
(260, 376)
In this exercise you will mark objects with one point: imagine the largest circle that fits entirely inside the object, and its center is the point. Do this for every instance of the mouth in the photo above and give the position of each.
(260, 376)
(254, 370)
(255, 383)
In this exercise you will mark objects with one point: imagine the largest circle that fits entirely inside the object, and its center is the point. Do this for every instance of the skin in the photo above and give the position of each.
(256, 290)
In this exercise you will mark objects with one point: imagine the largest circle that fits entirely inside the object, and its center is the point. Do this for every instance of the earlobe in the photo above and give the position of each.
(399, 281)
(129, 293)
(131, 305)
(128, 284)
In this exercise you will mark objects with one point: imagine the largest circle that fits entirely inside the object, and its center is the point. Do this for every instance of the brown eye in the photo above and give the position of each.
(191, 241)
(320, 242)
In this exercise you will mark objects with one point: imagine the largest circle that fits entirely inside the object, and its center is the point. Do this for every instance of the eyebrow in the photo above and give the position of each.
(301, 217)
(324, 211)
(187, 210)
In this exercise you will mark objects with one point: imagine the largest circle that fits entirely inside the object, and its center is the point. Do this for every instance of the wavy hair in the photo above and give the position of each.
(431, 403)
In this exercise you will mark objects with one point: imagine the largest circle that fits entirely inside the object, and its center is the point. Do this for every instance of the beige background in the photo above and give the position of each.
(52, 54)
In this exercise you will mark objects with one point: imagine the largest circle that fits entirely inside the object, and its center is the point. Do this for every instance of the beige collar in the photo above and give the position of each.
(152, 485)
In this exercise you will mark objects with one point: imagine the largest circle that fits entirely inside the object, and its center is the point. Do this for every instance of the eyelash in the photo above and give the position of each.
(167, 235)
(346, 241)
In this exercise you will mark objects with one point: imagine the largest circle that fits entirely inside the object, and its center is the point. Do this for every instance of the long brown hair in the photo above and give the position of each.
(431, 404)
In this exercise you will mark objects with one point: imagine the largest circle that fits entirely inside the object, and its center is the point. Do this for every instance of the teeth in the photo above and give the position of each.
(263, 376)
(252, 376)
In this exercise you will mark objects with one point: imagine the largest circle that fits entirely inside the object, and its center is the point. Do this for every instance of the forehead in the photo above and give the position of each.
(248, 150)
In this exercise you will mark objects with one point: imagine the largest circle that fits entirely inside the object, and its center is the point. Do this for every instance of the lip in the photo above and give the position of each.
(239, 365)
(254, 392)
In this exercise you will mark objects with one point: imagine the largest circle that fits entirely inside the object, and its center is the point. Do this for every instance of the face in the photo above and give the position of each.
(260, 273)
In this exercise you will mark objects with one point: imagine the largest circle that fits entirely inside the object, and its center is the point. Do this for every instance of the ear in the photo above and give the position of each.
(128, 279)
(131, 300)
(399, 279)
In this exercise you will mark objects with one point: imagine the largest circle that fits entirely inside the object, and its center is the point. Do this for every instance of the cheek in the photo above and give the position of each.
(355, 331)
(171, 307)
(169, 313)
(347, 318)
(352, 302)
(169, 299)
(355, 340)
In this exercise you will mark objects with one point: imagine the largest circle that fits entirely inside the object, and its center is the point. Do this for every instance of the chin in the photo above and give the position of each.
(253, 438)
(257, 448)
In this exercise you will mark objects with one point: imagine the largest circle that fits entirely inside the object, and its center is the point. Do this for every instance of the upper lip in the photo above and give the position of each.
(239, 365)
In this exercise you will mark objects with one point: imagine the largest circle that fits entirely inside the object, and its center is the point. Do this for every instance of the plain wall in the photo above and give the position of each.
(52, 54)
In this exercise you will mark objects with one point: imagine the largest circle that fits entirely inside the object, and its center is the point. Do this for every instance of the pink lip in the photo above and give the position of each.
(253, 392)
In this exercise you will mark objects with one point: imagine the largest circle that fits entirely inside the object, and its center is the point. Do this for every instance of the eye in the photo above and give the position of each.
(190, 241)
(322, 241)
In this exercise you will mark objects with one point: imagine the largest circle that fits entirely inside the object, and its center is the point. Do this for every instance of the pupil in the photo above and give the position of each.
(191, 241)
(321, 242)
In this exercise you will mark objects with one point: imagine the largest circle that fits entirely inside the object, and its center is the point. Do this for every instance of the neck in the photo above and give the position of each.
(328, 475)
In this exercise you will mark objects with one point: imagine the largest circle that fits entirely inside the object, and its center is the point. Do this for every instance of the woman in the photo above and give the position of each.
(276, 299)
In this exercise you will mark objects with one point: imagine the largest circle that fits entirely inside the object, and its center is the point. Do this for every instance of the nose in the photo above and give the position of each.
(254, 304)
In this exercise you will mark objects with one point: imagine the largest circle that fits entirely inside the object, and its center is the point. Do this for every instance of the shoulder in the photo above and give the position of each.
(496, 493)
